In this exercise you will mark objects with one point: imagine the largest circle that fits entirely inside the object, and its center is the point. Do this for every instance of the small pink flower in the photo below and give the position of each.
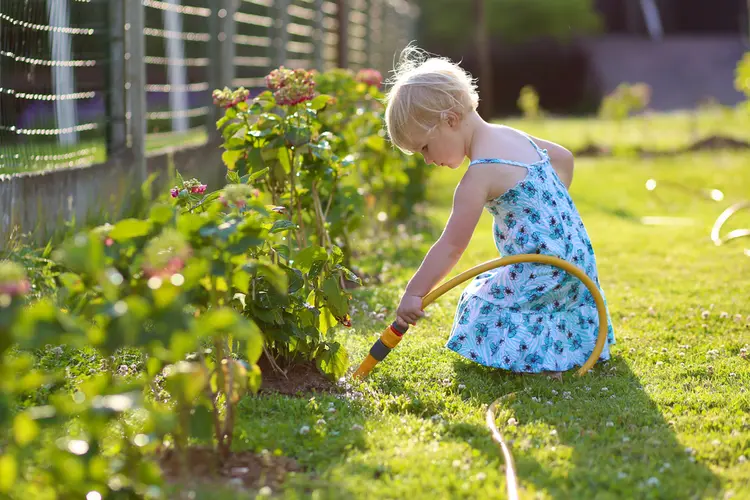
(200, 189)
(13, 289)
(13, 279)
(174, 192)
(109, 242)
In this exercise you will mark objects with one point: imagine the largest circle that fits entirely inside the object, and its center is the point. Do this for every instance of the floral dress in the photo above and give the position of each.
(532, 317)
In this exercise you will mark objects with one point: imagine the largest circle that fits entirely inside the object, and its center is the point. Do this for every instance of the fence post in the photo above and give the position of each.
(342, 17)
(227, 31)
(137, 78)
(319, 36)
(280, 34)
(115, 99)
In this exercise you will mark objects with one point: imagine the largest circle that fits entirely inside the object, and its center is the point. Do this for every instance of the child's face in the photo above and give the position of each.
(444, 146)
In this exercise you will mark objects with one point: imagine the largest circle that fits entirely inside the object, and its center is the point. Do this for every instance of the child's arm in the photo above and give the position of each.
(468, 202)
(562, 160)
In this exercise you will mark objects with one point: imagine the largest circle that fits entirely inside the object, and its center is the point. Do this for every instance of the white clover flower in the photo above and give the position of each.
(304, 429)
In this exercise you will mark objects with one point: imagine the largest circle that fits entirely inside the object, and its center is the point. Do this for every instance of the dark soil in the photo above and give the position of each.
(718, 142)
(712, 143)
(244, 468)
(301, 377)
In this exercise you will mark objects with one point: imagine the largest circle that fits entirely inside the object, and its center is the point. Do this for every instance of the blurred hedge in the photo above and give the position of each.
(513, 21)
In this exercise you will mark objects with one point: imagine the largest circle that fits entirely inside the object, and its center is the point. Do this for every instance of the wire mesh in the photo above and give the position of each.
(56, 85)
(52, 84)
(177, 71)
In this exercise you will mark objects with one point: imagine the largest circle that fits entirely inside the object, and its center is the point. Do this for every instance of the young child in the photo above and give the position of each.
(530, 318)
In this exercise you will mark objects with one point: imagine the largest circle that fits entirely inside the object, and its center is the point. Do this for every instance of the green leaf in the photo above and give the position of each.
(295, 278)
(254, 342)
(233, 177)
(221, 122)
(178, 177)
(282, 225)
(235, 143)
(298, 136)
(8, 472)
(185, 380)
(130, 228)
(337, 255)
(250, 178)
(326, 320)
(223, 319)
(335, 297)
(316, 269)
(161, 213)
(230, 158)
(231, 130)
(349, 274)
(201, 423)
(254, 379)
(283, 156)
(275, 276)
(376, 143)
(334, 361)
(320, 102)
(255, 160)
(305, 258)
(189, 224)
(25, 430)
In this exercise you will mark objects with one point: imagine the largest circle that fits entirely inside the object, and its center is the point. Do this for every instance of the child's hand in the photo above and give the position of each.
(409, 310)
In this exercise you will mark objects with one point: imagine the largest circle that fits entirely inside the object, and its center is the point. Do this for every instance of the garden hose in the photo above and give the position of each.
(722, 219)
(393, 334)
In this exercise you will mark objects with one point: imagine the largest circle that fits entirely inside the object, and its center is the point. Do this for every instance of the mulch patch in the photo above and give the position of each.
(301, 377)
(241, 469)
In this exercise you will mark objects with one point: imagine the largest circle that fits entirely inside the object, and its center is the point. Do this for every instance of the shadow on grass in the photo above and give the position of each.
(596, 436)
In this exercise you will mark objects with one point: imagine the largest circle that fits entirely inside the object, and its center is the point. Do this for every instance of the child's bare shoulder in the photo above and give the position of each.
(504, 143)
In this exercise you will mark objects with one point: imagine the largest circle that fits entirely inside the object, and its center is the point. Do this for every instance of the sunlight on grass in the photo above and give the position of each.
(666, 418)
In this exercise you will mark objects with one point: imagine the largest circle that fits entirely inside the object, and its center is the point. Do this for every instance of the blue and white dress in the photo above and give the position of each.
(532, 317)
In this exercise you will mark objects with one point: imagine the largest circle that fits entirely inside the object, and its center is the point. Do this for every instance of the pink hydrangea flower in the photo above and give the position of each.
(291, 86)
(228, 98)
(370, 76)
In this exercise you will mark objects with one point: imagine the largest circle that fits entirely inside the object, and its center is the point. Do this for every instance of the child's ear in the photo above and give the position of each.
(453, 119)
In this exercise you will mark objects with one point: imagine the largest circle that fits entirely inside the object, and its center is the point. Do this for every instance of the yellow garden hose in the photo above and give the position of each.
(392, 336)
(722, 219)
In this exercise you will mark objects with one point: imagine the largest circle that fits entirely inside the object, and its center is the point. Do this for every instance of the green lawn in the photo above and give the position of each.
(666, 418)
(52, 156)
(662, 131)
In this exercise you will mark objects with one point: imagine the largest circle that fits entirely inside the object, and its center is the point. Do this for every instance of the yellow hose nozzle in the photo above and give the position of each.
(389, 339)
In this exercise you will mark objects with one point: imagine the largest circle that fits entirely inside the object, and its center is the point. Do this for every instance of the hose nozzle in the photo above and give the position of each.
(389, 339)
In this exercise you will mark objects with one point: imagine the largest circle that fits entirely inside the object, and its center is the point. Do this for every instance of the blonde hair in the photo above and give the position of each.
(422, 90)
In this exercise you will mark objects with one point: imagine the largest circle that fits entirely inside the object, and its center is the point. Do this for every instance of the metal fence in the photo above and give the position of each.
(88, 82)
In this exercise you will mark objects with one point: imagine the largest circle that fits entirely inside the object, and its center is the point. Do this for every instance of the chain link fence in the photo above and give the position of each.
(108, 83)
